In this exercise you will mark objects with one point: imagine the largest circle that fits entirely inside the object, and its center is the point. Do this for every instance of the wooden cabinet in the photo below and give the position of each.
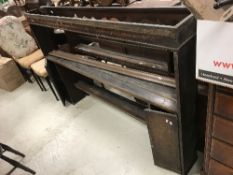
(219, 134)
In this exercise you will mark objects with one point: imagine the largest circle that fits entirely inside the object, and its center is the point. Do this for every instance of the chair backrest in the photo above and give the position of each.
(14, 40)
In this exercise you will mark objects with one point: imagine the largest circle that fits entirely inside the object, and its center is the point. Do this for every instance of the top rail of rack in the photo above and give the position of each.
(165, 27)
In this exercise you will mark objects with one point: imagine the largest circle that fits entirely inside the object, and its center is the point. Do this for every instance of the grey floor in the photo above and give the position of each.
(90, 138)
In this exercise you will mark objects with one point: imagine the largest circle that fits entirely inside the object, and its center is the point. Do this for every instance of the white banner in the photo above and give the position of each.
(214, 56)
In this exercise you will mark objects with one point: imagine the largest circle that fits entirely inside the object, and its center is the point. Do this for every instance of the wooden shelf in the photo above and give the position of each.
(158, 95)
(151, 65)
(155, 78)
(127, 105)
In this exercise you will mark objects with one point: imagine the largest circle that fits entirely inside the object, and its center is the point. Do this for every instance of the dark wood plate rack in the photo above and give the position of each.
(148, 54)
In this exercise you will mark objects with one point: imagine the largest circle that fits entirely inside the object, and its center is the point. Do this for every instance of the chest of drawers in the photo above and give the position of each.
(219, 134)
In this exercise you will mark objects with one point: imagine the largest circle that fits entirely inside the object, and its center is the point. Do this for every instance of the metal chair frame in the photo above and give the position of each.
(16, 164)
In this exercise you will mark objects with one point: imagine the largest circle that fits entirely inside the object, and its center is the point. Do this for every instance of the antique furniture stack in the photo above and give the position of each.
(140, 60)
(211, 9)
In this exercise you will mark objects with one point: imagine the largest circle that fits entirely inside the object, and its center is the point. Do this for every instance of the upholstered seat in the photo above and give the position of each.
(28, 60)
(39, 68)
(17, 43)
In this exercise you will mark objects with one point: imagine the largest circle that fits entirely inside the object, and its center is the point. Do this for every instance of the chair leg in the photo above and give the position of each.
(41, 82)
(17, 164)
(8, 148)
(29, 77)
(51, 87)
(25, 74)
(37, 80)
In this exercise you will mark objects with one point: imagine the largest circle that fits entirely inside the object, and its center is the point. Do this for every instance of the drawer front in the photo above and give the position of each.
(224, 105)
(216, 168)
(223, 129)
(222, 152)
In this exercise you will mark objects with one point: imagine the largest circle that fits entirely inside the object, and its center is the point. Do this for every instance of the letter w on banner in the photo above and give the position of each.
(214, 52)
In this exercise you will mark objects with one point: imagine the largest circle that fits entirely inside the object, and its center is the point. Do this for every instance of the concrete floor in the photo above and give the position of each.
(90, 138)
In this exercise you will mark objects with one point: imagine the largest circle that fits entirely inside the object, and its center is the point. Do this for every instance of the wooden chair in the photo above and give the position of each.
(18, 44)
(39, 72)
(14, 163)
